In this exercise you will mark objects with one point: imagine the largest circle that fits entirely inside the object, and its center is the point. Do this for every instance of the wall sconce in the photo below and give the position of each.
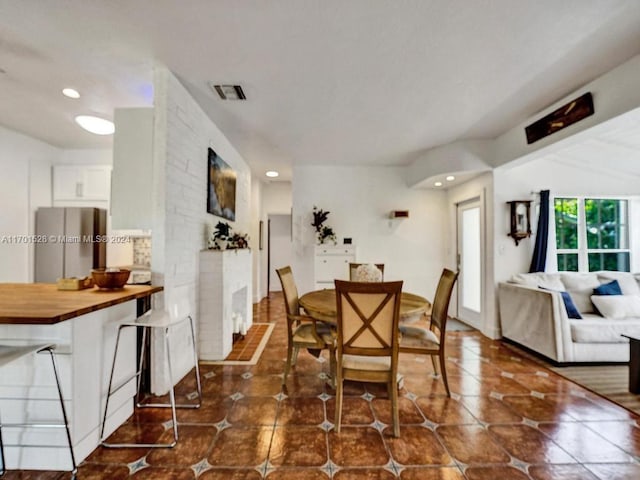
(519, 213)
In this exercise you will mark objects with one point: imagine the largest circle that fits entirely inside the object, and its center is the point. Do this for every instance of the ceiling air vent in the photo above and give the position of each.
(229, 92)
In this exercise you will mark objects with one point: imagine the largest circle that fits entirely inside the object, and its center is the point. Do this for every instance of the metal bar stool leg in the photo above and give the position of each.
(62, 407)
(2, 451)
(113, 367)
(195, 362)
(172, 392)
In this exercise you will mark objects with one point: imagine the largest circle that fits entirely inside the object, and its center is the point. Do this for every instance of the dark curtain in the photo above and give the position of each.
(539, 260)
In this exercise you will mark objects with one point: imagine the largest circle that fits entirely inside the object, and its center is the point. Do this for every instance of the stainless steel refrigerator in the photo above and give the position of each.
(70, 242)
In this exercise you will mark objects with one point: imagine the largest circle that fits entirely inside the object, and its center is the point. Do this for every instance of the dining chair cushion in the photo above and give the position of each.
(360, 362)
(304, 334)
(417, 336)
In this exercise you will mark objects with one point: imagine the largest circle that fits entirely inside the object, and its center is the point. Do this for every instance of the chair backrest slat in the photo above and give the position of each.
(368, 315)
(289, 290)
(440, 307)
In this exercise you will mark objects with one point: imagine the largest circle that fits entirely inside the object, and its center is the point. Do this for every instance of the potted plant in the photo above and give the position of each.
(324, 233)
(223, 238)
(219, 239)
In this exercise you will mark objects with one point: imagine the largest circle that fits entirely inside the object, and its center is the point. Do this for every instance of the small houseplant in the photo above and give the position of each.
(324, 233)
(223, 238)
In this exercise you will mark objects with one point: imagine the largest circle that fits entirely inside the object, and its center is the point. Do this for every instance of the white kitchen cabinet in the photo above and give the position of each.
(332, 262)
(132, 179)
(81, 182)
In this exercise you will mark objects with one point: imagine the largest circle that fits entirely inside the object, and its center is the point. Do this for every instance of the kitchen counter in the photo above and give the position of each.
(83, 324)
(43, 304)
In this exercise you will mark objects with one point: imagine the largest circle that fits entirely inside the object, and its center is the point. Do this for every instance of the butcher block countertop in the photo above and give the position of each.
(44, 304)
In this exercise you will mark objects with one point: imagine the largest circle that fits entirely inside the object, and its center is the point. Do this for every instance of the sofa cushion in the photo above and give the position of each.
(580, 286)
(611, 288)
(617, 306)
(550, 281)
(627, 281)
(595, 329)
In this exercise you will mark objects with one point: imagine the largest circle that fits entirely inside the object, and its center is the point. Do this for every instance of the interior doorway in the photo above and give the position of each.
(280, 247)
(470, 265)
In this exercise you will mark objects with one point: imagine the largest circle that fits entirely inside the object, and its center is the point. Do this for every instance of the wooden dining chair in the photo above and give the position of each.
(303, 331)
(431, 340)
(353, 268)
(367, 345)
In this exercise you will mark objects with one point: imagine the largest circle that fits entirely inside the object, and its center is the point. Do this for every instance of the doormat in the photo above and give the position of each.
(247, 350)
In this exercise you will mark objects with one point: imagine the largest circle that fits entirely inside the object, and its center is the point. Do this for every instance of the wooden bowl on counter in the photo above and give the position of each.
(110, 277)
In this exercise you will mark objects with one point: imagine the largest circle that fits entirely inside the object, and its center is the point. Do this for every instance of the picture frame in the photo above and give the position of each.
(260, 231)
(221, 187)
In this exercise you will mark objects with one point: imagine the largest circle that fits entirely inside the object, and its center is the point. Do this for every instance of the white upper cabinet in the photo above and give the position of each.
(131, 186)
(81, 182)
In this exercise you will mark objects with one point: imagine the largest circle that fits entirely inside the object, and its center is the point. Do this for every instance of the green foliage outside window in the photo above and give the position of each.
(606, 223)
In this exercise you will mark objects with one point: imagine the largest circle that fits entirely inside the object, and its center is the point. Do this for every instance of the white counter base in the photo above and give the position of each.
(84, 356)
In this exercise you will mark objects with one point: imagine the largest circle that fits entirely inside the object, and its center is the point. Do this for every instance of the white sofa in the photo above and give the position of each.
(533, 314)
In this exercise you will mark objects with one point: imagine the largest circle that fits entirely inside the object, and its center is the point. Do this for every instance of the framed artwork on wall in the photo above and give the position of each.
(221, 187)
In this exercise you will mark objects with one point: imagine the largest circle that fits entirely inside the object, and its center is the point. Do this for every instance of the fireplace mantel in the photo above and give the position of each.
(225, 291)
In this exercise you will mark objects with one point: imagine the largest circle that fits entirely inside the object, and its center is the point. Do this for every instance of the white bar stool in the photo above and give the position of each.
(10, 353)
(179, 312)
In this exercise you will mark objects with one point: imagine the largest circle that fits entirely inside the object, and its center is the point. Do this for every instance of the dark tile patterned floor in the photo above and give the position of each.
(507, 419)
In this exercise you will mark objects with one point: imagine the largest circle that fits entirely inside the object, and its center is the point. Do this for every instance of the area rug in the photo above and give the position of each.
(247, 350)
(608, 381)
(612, 382)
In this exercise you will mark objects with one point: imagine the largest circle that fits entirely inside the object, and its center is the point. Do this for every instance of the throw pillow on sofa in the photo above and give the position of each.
(570, 307)
(611, 288)
(580, 286)
(618, 306)
(627, 281)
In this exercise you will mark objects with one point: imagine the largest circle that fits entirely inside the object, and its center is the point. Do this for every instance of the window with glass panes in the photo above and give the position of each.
(592, 234)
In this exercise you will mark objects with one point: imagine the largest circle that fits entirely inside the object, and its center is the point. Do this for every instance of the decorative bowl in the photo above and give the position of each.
(110, 277)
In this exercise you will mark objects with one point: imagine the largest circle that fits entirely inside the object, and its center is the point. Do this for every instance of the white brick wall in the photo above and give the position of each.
(182, 135)
(216, 299)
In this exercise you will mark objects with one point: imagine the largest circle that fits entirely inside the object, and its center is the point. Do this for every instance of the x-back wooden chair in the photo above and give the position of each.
(367, 345)
(303, 331)
(431, 341)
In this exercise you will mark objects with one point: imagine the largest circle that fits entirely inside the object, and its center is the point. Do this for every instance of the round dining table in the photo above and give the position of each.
(321, 305)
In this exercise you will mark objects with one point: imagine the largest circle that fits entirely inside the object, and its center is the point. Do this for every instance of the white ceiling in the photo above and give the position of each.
(353, 82)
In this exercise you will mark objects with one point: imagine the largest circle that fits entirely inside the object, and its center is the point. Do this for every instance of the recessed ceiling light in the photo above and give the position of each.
(70, 92)
(438, 184)
(96, 125)
(450, 178)
(229, 92)
(272, 173)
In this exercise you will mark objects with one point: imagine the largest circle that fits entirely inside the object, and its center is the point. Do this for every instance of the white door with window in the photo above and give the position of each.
(470, 262)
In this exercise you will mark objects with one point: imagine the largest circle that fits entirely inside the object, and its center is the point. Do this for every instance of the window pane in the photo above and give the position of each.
(606, 223)
(608, 261)
(568, 262)
(566, 213)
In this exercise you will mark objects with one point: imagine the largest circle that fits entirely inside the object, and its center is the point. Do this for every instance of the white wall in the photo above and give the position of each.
(25, 185)
(280, 246)
(259, 256)
(181, 224)
(277, 198)
(102, 156)
(360, 200)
